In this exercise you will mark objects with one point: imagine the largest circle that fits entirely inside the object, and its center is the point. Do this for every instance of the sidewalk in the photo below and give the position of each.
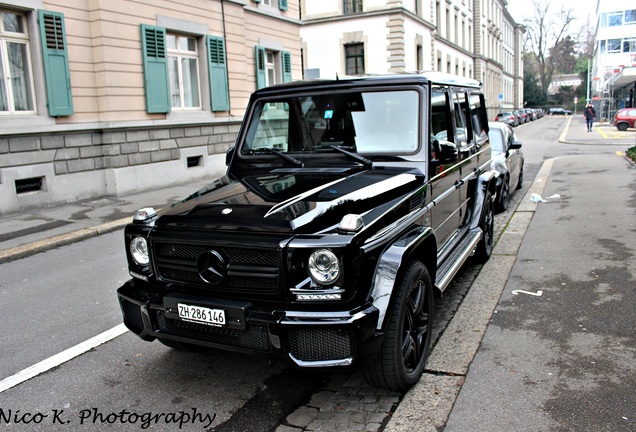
(575, 132)
(38, 230)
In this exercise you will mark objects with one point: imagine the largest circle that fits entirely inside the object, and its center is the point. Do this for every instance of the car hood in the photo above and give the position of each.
(292, 201)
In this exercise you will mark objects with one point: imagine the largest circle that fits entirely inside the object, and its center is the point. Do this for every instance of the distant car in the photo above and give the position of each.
(508, 118)
(559, 111)
(625, 118)
(519, 116)
(507, 160)
(532, 116)
(524, 116)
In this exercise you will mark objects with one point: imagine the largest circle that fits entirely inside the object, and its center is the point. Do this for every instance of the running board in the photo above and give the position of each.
(453, 263)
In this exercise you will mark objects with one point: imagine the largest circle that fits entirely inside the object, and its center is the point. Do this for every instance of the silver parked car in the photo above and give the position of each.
(507, 160)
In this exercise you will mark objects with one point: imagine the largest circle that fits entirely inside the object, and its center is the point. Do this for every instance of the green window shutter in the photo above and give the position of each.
(256, 1)
(287, 66)
(217, 68)
(55, 57)
(282, 5)
(155, 61)
(261, 80)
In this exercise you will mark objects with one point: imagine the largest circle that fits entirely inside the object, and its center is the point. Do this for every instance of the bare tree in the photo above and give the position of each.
(544, 32)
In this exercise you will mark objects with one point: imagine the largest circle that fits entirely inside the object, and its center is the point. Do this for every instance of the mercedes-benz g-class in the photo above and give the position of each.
(347, 207)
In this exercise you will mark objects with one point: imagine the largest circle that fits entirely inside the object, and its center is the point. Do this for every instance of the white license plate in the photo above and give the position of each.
(215, 317)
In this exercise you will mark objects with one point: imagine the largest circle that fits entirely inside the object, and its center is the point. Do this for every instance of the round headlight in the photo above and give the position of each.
(324, 267)
(139, 250)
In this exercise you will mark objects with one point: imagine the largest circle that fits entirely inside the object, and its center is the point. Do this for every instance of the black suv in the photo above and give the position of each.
(347, 206)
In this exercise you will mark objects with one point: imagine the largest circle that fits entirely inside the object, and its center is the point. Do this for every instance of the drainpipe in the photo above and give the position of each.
(227, 74)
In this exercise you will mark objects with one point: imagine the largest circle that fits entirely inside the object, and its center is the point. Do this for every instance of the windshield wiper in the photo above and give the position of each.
(356, 156)
(279, 154)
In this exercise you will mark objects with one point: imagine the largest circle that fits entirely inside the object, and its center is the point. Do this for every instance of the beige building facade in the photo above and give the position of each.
(470, 38)
(104, 97)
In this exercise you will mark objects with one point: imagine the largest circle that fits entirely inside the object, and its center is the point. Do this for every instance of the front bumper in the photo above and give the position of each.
(308, 339)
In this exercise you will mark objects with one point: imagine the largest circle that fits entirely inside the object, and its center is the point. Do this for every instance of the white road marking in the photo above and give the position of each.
(63, 357)
(537, 294)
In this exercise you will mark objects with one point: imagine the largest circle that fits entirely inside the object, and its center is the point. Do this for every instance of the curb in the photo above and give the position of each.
(22, 251)
(430, 402)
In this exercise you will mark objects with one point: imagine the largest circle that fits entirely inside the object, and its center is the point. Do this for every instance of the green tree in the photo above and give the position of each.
(532, 92)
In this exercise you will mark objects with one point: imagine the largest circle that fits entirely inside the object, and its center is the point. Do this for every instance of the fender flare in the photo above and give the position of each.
(486, 183)
(390, 263)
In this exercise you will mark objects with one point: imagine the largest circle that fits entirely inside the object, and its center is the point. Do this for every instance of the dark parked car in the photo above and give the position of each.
(559, 111)
(342, 215)
(507, 160)
(625, 118)
(508, 118)
(519, 117)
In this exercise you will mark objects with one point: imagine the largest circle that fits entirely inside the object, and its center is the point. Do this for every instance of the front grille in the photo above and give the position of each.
(132, 315)
(254, 337)
(249, 270)
(316, 344)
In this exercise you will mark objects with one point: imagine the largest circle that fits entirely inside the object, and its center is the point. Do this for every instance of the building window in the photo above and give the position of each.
(629, 45)
(613, 46)
(630, 16)
(16, 83)
(615, 19)
(354, 59)
(183, 70)
(272, 67)
(352, 6)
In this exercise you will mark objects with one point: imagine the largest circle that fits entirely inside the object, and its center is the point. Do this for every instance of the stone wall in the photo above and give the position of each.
(45, 169)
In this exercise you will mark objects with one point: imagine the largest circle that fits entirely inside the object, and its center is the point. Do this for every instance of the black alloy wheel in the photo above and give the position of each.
(520, 181)
(407, 338)
(504, 198)
(487, 225)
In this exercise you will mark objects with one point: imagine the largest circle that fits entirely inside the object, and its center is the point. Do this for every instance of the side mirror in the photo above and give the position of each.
(229, 155)
(515, 145)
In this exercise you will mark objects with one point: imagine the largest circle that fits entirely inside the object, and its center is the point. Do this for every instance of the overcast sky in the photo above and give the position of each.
(582, 8)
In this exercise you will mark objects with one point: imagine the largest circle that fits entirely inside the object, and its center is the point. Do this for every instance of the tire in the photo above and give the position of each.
(181, 346)
(504, 196)
(407, 339)
(487, 225)
(622, 127)
(520, 181)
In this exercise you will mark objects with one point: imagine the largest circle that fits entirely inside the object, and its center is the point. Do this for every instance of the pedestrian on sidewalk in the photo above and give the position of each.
(590, 116)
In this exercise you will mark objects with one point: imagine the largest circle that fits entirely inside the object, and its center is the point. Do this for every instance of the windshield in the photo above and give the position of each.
(361, 122)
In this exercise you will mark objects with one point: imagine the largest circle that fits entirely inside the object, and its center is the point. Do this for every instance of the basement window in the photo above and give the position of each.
(33, 184)
(194, 161)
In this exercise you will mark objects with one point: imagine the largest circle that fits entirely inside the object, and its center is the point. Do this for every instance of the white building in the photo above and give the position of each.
(614, 66)
(475, 39)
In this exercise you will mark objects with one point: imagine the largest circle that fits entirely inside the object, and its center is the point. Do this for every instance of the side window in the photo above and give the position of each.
(461, 125)
(441, 127)
(478, 118)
